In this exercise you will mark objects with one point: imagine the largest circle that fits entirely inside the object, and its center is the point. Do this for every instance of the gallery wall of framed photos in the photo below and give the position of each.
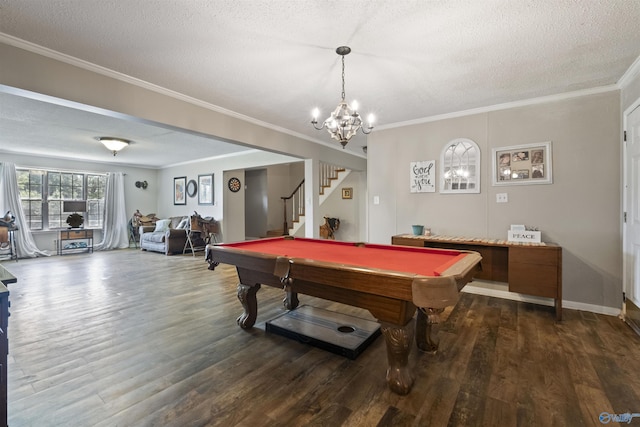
(522, 164)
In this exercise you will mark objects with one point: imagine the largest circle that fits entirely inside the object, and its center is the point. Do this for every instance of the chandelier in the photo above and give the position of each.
(344, 121)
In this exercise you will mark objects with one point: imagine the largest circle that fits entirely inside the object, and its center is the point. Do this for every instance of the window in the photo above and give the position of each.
(43, 209)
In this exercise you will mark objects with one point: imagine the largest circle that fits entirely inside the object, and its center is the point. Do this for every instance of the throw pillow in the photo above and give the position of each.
(183, 223)
(162, 225)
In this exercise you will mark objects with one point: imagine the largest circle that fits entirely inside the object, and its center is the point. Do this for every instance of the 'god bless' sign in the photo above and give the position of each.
(422, 177)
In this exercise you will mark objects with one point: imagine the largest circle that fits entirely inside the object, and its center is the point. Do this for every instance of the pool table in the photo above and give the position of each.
(388, 281)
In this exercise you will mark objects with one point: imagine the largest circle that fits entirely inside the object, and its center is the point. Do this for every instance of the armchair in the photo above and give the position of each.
(167, 236)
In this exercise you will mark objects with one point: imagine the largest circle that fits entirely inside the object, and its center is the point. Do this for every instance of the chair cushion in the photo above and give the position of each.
(162, 225)
(155, 237)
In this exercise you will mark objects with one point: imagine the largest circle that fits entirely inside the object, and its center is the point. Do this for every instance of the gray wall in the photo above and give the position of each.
(580, 210)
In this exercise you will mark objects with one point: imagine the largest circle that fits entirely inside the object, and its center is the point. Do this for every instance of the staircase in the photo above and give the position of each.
(330, 178)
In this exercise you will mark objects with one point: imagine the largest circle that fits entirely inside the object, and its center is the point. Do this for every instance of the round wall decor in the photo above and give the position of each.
(234, 184)
(192, 188)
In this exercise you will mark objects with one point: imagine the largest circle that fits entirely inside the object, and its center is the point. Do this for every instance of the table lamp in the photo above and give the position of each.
(75, 220)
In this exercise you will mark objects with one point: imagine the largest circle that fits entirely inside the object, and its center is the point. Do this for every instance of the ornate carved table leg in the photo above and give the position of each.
(424, 322)
(247, 297)
(398, 339)
(290, 300)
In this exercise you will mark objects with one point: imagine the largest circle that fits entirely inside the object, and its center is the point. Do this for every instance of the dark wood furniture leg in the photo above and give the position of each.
(398, 340)
(247, 297)
(424, 322)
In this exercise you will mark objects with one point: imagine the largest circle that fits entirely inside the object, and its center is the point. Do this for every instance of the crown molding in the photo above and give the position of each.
(505, 106)
(630, 74)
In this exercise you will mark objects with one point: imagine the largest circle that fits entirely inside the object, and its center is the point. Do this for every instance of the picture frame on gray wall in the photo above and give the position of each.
(205, 189)
(180, 190)
(522, 164)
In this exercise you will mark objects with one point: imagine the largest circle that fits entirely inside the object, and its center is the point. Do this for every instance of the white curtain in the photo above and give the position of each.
(10, 200)
(114, 228)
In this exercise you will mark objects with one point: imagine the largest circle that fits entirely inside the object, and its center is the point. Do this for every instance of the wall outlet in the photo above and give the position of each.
(502, 198)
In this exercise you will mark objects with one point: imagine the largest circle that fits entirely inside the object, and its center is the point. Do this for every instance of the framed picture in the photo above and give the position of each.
(347, 193)
(522, 164)
(205, 187)
(422, 176)
(180, 190)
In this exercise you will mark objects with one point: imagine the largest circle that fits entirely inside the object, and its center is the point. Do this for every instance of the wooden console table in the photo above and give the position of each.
(81, 241)
(529, 268)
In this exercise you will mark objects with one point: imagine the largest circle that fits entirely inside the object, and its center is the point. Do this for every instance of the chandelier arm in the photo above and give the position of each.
(368, 131)
(315, 125)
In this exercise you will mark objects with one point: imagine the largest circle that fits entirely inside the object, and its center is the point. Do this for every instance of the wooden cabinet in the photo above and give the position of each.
(5, 279)
(528, 269)
(75, 241)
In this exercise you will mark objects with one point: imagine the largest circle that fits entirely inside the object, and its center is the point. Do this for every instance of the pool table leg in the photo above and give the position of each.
(247, 297)
(424, 322)
(290, 300)
(398, 339)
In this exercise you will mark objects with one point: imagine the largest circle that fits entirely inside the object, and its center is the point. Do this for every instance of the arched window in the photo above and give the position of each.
(460, 160)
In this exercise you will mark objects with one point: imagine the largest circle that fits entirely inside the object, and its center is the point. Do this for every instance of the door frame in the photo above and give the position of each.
(630, 311)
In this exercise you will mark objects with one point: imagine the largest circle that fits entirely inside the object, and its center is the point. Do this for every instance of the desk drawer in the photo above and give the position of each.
(76, 234)
(533, 255)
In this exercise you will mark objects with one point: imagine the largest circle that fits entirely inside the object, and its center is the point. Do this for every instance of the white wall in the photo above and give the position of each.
(580, 210)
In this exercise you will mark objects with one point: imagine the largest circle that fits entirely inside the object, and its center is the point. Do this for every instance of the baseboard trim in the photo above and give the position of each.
(500, 291)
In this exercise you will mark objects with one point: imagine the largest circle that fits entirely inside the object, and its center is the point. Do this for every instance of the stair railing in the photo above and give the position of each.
(297, 206)
(328, 173)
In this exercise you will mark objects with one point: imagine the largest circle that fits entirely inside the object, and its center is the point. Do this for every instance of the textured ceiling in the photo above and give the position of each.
(275, 60)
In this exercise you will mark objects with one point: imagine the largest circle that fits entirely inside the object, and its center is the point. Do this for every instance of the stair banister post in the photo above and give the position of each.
(285, 227)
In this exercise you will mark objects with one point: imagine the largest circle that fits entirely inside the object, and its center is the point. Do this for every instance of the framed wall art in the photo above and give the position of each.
(205, 185)
(522, 164)
(179, 190)
(347, 193)
(422, 176)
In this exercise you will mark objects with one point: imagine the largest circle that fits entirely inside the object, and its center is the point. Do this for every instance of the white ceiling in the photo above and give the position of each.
(275, 60)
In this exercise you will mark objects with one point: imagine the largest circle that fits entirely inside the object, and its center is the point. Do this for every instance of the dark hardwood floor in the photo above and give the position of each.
(131, 338)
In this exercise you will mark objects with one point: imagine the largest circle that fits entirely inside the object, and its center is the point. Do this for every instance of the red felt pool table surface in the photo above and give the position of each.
(422, 261)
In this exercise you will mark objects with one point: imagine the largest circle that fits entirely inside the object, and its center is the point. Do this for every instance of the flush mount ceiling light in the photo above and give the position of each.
(113, 144)
(344, 121)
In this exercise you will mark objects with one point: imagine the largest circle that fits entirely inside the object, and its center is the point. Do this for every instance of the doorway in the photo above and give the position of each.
(631, 223)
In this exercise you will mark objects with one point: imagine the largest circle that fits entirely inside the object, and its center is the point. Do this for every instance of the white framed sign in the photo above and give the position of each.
(422, 177)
